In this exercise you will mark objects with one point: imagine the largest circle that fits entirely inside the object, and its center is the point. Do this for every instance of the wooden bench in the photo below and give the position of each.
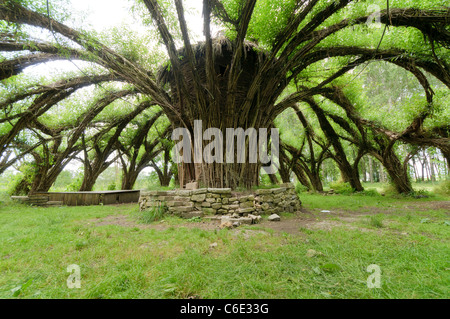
(93, 198)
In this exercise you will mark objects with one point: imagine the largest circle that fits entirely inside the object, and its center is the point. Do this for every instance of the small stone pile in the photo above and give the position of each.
(221, 201)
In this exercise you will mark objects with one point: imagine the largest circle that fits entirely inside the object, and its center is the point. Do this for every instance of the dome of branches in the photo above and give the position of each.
(222, 48)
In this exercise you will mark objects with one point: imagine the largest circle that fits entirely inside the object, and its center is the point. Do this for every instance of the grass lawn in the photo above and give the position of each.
(418, 186)
(310, 254)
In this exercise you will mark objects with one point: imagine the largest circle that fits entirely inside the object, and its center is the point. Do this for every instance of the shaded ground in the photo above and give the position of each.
(292, 223)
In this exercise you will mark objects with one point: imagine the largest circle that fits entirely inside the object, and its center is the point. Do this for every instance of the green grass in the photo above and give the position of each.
(366, 199)
(376, 221)
(411, 247)
(154, 214)
(417, 186)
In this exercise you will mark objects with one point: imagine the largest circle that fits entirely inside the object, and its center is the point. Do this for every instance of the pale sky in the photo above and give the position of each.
(104, 14)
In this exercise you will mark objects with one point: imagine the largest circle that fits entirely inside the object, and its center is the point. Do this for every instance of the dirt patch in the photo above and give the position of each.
(128, 221)
(305, 219)
(296, 225)
(429, 205)
(119, 220)
(292, 225)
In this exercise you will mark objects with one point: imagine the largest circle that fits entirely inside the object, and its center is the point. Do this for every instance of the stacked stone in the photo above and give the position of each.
(191, 203)
(276, 200)
(246, 205)
(219, 201)
(213, 201)
(178, 202)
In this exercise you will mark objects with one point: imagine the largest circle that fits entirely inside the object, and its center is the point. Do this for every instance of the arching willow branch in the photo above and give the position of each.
(427, 21)
(143, 79)
(65, 85)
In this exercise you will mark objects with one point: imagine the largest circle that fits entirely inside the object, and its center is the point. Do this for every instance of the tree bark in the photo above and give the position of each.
(128, 180)
(396, 170)
(349, 173)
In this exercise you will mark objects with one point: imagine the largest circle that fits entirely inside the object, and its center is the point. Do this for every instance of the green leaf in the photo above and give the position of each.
(27, 284)
(21, 288)
(16, 291)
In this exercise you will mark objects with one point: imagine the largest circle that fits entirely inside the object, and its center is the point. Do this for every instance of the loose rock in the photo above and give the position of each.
(226, 224)
(213, 245)
(255, 219)
(274, 218)
(246, 220)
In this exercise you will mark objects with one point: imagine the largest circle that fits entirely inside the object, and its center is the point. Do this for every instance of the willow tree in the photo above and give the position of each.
(243, 77)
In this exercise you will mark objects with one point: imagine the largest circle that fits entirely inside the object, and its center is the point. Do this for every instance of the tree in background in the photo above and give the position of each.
(271, 56)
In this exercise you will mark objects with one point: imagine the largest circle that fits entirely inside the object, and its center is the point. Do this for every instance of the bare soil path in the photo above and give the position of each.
(293, 224)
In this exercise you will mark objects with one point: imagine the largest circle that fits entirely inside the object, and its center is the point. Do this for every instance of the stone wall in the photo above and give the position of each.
(222, 201)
